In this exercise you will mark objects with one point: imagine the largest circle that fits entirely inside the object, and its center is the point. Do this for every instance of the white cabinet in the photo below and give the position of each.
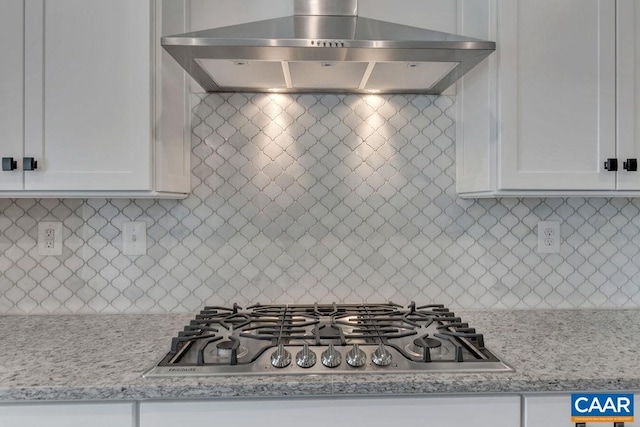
(557, 94)
(462, 411)
(88, 70)
(551, 104)
(11, 89)
(628, 65)
(94, 91)
(476, 105)
(68, 415)
(544, 410)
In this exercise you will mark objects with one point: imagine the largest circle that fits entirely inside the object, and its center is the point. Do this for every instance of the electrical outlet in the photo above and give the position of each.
(50, 238)
(134, 238)
(549, 237)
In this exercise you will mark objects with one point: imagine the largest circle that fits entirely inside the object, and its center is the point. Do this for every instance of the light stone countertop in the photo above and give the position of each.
(102, 357)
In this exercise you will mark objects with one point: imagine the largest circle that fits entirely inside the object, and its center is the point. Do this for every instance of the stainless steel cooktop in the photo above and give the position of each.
(326, 339)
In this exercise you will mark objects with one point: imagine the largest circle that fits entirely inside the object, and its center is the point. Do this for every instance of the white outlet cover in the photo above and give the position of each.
(134, 238)
(48, 246)
(549, 237)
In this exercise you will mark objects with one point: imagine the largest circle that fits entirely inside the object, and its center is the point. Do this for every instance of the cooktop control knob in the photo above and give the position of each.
(305, 357)
(356, 357)
(280, 358)
(381, 356)
(331, 357)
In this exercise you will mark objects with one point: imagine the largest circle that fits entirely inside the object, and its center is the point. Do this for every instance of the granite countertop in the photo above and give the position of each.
(102, 357)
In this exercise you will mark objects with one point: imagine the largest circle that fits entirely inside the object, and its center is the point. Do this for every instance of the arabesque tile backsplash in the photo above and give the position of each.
(321, 197)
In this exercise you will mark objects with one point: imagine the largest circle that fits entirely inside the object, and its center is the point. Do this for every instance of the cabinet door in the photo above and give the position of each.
(68, 415)
(501, 411)
(628, 26)
(11, 89)
(547, 410)
(88, 74)
(557, 94)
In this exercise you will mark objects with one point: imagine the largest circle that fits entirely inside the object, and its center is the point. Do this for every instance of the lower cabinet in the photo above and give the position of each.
(530, 410)
(462, 411)
(68, 415)
(546, 410)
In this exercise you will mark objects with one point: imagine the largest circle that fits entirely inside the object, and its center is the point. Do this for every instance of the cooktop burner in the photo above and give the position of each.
(326, 339)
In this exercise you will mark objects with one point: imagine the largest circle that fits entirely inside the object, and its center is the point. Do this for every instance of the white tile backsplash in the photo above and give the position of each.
(321, 197)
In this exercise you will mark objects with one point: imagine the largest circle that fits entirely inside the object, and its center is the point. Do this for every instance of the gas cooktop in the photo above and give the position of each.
(326, 339)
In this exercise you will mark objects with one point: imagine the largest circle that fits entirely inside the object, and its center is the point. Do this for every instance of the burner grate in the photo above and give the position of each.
(227, 340)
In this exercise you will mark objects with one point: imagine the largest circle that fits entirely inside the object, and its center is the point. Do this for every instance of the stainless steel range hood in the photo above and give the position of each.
(326, 47)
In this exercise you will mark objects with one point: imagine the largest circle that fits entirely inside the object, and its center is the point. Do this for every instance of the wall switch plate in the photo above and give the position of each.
(134, 238)
(50, 238)
(549, 237)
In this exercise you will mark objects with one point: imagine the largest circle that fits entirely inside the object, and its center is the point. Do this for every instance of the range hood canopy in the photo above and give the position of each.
(326, 47)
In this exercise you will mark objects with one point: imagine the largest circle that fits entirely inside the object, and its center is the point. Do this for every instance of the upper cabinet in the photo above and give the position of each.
(11, 92)
(557, 94)
(628, 108)
(95, 100)
(551, 105)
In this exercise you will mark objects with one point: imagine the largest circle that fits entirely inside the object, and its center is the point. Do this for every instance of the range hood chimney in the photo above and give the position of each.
(326, 47)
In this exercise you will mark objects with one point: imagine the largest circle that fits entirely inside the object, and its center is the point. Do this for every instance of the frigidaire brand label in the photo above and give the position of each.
(601, 407)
